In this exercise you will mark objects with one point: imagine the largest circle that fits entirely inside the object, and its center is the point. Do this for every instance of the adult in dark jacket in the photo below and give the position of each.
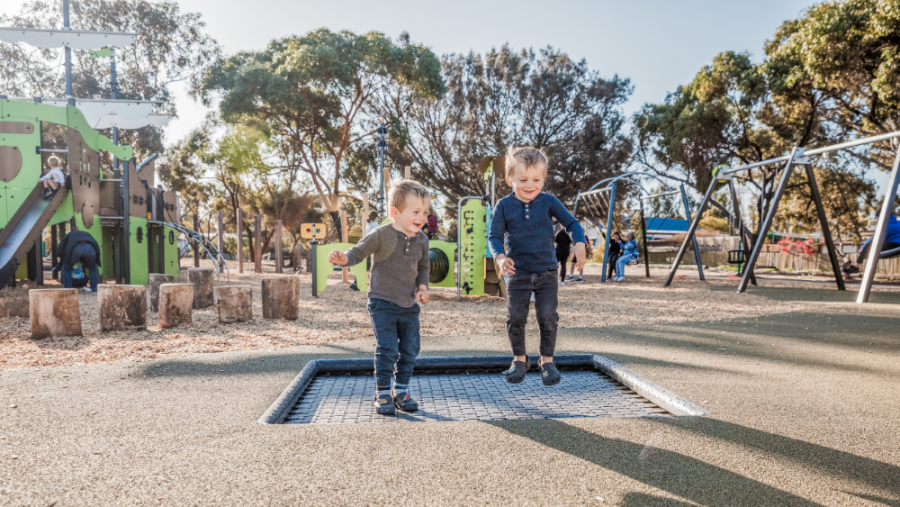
(563, 248)
(78, 246)
(615, 250)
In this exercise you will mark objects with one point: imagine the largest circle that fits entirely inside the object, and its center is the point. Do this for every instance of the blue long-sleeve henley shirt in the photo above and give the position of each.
(523, 231)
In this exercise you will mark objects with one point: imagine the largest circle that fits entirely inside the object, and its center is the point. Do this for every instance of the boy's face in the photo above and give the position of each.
(413, 216)
(526, 182)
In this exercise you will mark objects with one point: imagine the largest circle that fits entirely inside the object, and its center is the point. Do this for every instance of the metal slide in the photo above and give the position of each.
(24, 228)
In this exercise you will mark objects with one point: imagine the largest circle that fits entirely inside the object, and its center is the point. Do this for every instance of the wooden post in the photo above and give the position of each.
(257, 247)
(235, 303)
(157, 279)
(281, 297)
(406, 172)
(175, 304)
(345, 271)
(13, 307)
(122, 307)
(387, 187)
(203, 281)
(365, 219)
(240, 240)
(196, 246)
(279, 255)
(221, 226)
(54, 312)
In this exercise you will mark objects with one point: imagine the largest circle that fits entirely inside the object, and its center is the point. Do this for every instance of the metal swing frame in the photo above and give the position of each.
(800, 156)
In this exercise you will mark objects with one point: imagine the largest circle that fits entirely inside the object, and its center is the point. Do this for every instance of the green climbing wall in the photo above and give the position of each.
(473, 228)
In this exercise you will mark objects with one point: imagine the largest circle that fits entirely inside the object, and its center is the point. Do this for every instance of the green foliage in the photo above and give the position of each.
(312, 96)
(827, 77)
(506, 98)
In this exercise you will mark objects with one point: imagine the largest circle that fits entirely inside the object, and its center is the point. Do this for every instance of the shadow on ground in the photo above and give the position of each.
(702, 482)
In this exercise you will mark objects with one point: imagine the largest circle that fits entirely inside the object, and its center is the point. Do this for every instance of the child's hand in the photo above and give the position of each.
(338, 257)
(506, 266)
(579, 256)
(422, 295)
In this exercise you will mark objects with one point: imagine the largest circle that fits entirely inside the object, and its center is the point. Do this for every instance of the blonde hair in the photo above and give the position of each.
(54, 161)
(401, 193)
(531, 157)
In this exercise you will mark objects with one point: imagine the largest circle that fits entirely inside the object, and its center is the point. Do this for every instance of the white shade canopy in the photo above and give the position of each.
(108, 113)
(112, 120)
(76, 39)
(94, 109)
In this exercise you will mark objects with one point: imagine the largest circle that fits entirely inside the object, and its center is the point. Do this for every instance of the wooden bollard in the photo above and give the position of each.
(54, 312)
(204, 281)
(281, 297)
(13, 307)
(122, 307)
(235, 303)
(176, 302)
(157, 279)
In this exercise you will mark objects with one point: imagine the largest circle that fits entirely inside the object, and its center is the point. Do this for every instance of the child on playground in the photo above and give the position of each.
(399, 281)
(521, 242)
(54, 177)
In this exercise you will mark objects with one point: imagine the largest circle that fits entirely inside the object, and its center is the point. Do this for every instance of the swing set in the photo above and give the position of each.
(600, 206)
(800, 156)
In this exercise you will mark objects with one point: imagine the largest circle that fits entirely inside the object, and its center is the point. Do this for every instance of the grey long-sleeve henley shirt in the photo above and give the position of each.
(399, 266)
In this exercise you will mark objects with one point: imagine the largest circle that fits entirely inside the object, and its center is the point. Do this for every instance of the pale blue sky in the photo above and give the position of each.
(657, 44)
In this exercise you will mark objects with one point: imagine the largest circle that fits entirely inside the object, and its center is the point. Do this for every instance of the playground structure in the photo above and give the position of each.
(134, 223)
(470, 268)
(801, 156)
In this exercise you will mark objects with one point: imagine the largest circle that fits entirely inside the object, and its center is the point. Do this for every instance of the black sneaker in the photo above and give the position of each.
(518, 369)
(384, 404)
(549, 374)
(47, 192)
(353, 286)
(405, 402)
(580, 279)
(851, 269)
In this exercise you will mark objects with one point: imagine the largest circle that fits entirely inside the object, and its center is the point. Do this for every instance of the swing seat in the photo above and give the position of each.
(735, 257)
(887, 254)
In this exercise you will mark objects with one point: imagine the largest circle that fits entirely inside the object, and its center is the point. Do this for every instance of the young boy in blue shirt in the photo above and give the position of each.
(521, 242)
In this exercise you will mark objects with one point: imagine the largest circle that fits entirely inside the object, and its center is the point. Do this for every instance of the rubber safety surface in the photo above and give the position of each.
(470, 396)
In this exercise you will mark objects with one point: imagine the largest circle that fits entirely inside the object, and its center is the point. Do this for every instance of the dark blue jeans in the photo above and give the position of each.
(545, 288)
(396, 341)
(87, 256)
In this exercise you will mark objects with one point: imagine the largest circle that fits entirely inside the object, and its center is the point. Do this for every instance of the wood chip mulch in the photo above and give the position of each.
(339, 315)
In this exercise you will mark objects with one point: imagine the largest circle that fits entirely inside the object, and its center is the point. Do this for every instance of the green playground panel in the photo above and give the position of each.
(473, 226)
(323, 267)
(140, 273)
(171, 252)
(449, 250)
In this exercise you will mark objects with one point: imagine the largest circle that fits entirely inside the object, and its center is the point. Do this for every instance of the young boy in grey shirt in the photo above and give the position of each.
(399, 280)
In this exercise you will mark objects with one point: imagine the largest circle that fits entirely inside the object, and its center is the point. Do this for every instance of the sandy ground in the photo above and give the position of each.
(339, 315)
(803, 412)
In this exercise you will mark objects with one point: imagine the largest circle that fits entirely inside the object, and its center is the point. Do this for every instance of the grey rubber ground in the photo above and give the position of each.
(803, 411)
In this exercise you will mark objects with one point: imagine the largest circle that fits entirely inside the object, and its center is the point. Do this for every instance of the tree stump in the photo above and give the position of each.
(122, 307)
(13, 307)
(176, 301)
(204, 281)
(157, 279)
(54, 312)
(235, 303)
(281, 297)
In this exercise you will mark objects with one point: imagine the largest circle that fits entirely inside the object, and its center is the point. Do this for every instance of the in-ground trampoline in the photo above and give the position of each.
(472, 389)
